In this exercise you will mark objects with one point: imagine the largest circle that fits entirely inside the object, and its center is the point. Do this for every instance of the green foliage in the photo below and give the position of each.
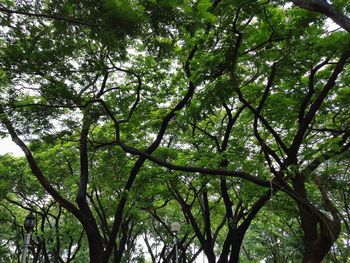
(123, 16)
(203, 6)
(88, 85)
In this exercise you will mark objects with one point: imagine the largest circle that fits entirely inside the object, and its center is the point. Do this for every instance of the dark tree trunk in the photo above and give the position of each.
(320, 232)
(319, 235)
(95, 247)
(236, 248)
(232, 247)
(316, 246)
(210, 254)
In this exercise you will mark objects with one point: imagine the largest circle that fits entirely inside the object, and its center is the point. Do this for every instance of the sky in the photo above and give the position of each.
(8, 146)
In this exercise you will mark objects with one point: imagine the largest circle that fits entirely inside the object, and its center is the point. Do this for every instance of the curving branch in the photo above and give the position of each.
(118, 215)
(138, 89)
(194, 169)
(263, 121)
(309, 116)
(323, 7)
(36, 170)
(213, 137)
(231, 122)
(47, 16)
(311, 90)
(265, 148)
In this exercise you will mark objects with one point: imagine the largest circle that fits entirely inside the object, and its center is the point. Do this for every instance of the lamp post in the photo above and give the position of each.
(175, 228)
(29, 224)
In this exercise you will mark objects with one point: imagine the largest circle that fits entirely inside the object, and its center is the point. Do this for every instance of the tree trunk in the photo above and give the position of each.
(320, 232)
(95, 248)
(318, 238)
(210, 256)
(236, 248)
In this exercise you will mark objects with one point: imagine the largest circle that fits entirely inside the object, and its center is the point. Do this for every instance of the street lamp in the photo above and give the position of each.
(175, 228)
(29, 224)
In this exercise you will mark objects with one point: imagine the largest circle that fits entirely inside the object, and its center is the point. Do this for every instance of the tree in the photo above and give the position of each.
(249, 94)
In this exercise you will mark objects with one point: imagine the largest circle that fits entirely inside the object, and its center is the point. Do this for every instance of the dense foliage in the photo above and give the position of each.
(230, 117)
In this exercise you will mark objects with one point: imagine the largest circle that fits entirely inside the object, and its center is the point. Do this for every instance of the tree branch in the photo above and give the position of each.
(36, 170)
(47, 16)
(323, 7)
(304, 125)
(193, 169)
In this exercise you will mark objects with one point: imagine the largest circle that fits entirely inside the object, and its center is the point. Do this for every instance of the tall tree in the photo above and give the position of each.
(97, 94)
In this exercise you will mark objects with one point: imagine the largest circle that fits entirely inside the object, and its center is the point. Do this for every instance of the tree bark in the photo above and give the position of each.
(320, 232)
(322, 7)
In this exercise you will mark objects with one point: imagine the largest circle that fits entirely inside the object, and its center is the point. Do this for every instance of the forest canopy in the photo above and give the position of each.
(229, 117)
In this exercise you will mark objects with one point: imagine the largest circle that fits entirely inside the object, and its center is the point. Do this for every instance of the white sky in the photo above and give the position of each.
(8, 146)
